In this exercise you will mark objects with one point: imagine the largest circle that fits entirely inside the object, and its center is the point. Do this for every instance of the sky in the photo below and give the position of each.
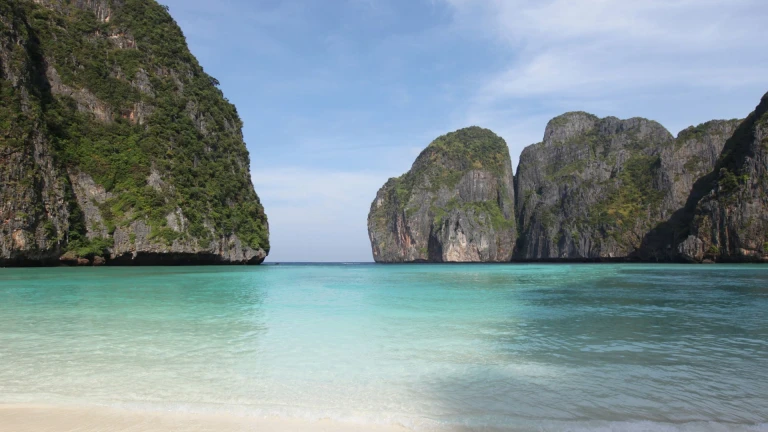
(337, 96)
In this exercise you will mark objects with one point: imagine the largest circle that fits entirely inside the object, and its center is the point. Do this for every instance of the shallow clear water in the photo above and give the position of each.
(542, 347)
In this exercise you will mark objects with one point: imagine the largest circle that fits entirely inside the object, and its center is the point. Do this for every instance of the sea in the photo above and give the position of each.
(515, 347)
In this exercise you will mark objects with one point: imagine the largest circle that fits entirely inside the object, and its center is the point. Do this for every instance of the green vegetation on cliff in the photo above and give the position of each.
(724, 218)
(632, 198)
(124, 101)
(456, 204)
(450, 156)
(484, 212)
(590, 189)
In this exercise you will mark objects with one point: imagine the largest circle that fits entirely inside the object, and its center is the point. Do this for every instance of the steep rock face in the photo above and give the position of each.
(683, 167)
(694, 155)
(595, 188)
(114, 142)
(34, 203)
(588, 191)
(726, 217)
(456, 204)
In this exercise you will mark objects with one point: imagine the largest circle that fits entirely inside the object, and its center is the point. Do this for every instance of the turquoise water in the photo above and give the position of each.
(509, 347)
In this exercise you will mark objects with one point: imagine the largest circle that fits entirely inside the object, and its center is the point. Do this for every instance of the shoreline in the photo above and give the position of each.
(54, 418)
(10, 264)
(60, 418)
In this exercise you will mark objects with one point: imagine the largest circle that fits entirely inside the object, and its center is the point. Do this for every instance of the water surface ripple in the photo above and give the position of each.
(489, 347)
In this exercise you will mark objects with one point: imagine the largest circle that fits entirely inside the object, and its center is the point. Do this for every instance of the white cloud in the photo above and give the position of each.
(581, 53)
(665, 25)
(317, 215)
(591, 47)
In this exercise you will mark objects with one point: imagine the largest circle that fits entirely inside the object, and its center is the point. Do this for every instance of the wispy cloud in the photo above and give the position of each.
(316, 214)
(607, 52)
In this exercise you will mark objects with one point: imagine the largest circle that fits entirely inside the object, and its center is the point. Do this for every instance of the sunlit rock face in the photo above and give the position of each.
(456, 204)
(116, 147)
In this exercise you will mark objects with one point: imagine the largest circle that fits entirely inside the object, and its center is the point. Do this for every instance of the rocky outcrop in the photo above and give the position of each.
(725, 218)
(594, 188)
(101, 9)
(34, 209)
(587, 191)
(694, 155)
(456, 204)
(116, 147)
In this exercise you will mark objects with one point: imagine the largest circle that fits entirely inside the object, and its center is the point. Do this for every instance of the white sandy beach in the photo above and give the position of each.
(41, 418)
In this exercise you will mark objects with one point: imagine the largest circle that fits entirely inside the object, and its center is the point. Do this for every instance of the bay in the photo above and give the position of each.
(429, 347)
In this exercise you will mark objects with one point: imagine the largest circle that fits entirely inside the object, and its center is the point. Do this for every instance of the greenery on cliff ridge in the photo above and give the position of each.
(564, 118)
(629, 192)
(700, 131)
(623, 197)
(445, 161)
(455, 204)
(203, 167)
(731, 160)
(470, 148)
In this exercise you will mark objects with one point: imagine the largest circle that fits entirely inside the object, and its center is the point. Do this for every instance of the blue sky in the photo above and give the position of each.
(339, 95)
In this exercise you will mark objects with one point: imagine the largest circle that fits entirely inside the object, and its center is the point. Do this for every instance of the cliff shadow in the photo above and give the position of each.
(660, 244)
(434, 247)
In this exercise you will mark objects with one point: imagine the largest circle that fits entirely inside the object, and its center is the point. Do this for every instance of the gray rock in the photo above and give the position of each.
(456, 204)
(586, 192)
(691, 159)
(594, 188)
(726, 217)
(694, 154)
(86, 101)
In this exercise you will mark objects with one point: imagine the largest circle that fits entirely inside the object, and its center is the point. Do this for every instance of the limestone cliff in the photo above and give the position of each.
(594, 188)
(694, 155)
(115, 145)
(726, 215)
(456, 204)
(586, 192)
